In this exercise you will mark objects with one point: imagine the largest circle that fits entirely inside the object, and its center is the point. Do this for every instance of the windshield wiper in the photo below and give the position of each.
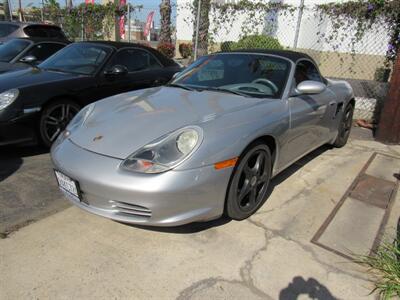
(185, 87)
(54, 70)
(219, 89)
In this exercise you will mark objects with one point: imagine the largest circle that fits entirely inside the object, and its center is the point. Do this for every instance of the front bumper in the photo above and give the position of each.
(167, 199)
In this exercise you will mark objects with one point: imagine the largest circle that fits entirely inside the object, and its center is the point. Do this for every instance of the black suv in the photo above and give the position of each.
(10, 30)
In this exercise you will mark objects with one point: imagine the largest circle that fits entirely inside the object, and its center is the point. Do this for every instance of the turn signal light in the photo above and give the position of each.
(226, 163)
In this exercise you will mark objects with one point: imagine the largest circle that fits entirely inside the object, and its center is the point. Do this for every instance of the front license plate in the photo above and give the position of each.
(67, 184)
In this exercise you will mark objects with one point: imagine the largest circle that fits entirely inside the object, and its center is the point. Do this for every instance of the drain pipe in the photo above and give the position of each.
(196, 41)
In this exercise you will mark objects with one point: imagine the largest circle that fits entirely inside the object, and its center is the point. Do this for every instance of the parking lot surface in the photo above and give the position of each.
(71, 254)
(28, 191)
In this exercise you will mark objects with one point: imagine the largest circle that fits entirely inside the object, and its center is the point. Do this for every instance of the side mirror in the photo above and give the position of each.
(117, 70)
(309, 87)
(28, 59)
(176, 75)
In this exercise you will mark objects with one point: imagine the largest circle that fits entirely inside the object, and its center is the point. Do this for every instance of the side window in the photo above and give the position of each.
(135, 60)
(306, 70)
(44, 50)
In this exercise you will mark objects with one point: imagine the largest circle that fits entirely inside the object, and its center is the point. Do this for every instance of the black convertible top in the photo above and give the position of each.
(291, 55)
(118, 45)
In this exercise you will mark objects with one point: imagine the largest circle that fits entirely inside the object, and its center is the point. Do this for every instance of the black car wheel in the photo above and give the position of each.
(55, 118)
(249, 184)
(344, 127)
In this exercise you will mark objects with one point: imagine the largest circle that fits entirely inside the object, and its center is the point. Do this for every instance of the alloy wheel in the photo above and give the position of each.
(56, 118)
(253, 180)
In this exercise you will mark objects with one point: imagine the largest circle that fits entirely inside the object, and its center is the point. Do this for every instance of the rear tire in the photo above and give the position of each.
(344, 127)
(249, 183)
(55, 118)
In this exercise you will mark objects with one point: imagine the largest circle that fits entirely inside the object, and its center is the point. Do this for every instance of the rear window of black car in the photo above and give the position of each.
(7, 29)
(44, 31)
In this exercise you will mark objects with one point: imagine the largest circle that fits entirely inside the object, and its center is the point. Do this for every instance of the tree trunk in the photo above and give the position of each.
(389, 121)
(6, 9)
(202, 47)
(69, 3)
(165, 12)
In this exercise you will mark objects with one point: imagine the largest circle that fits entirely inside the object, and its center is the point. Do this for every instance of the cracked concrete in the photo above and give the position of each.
(75, 255)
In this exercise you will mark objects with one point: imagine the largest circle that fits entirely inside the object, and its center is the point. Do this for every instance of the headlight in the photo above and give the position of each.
(8, 97)
(80, 117)
(166, 152)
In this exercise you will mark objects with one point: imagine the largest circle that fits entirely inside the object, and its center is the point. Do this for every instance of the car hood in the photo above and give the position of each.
(31, 76)
(122, 124)
(6, 67)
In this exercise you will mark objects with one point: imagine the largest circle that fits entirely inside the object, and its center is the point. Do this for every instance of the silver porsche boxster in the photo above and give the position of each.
(206, 144)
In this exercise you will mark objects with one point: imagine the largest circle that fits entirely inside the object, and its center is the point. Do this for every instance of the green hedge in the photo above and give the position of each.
(253, 42)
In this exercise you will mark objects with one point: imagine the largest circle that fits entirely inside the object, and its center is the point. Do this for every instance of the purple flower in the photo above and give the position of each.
(390, 48)
(370, 7)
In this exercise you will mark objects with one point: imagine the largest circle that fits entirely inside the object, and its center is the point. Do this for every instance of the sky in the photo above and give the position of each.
(148, 6)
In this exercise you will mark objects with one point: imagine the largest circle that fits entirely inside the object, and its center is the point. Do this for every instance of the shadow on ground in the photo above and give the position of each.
(300, 287)
(11, 158)
(201, 226)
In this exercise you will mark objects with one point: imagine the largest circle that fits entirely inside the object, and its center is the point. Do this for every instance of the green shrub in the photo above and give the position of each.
(258, 42)
(228, 46)
(167, 49)
(385, 266)
(185, 49)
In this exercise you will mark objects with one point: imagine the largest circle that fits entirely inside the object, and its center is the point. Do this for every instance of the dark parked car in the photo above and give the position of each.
(10, 30)
(40, 101)
(22, 53)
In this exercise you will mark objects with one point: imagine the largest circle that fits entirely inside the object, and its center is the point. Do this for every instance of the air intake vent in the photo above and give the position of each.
(130, 209)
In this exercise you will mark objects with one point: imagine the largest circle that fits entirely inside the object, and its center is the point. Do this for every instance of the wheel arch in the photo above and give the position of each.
(268, 140)
(63, 97)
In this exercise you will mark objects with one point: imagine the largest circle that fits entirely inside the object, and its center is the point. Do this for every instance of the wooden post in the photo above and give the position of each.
(389, 122)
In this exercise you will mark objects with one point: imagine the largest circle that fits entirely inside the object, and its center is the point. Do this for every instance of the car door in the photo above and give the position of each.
(143, 71)
(310, 115)
(42, 51)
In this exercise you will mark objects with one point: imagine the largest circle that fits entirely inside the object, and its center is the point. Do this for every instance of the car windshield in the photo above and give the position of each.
(80, 58)
(7, 29)
(253, 75)
(11, 49)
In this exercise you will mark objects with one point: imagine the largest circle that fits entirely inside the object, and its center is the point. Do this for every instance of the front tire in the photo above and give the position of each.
(344, 127)
(249, 183)
(55, 118)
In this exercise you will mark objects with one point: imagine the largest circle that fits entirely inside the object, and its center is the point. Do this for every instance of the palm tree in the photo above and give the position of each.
(165, 12)
(204, 24)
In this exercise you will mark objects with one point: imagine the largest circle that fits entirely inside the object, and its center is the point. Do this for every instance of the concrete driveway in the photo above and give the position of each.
(291, 248)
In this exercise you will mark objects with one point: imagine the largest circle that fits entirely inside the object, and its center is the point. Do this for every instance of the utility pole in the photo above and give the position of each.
(298, 25)
(42, 11)
(116, 26)
(389, 122)
(129, 22)
(196, 41)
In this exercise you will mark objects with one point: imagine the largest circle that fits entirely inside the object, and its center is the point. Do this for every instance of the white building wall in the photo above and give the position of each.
(374, 42)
